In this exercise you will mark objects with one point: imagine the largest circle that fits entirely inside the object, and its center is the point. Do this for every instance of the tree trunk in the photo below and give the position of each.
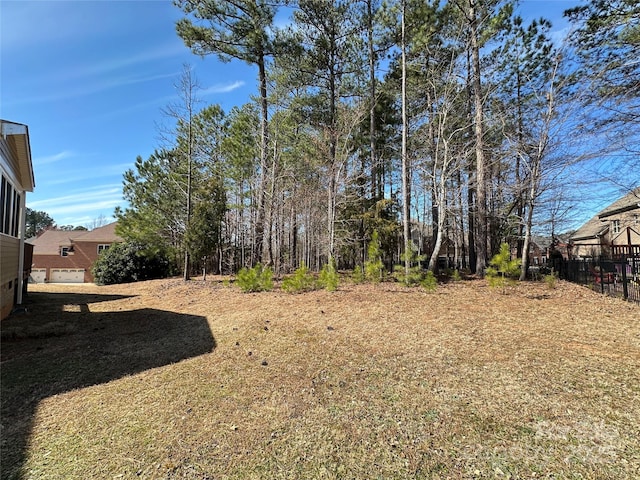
(405, 167)
(331, 214)
(372, 104)
(481, 169)
(264, 140)
(433, 261)
(294, 237)
(187, 258)
(519, 196)
(272, 194)
(527, 242)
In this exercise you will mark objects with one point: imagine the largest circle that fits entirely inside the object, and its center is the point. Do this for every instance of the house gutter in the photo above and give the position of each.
(628, 208)
(594, 236)
(590, 237)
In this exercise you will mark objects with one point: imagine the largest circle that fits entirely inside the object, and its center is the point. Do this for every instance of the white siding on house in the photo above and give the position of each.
(16, 172)
(9, 260)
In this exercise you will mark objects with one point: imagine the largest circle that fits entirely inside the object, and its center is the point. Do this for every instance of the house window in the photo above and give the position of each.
(615, 227)
(15, 221)
(3, 199)
(64, 251)
(102, 248)
(10, 200)
(6, 211)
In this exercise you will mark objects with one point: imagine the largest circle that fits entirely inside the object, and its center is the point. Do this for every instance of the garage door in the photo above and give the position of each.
(38, 275)
(67, 275)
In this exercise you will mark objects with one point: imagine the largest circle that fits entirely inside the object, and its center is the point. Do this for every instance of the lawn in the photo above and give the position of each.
(167, 379)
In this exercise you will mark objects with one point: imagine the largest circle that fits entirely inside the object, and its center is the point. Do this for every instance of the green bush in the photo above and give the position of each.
(301, 281)
(373, 267)
(416, 274)
(429, 282)
(256, 279)
(551, 279)
(129, 262)
(503, 270)
(452, 274)
(357, 276)
(328, 278)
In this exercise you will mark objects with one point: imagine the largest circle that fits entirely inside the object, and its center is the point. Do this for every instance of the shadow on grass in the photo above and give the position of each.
(60, 345)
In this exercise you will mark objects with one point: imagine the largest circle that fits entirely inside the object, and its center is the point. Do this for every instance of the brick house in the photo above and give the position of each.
(613, 231)
(17, 178)
(61, 256)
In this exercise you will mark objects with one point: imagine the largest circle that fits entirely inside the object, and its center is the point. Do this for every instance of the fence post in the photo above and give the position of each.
(625, 287)
(601, 273)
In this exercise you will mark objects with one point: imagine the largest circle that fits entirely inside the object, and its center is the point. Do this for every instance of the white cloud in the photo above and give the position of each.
(84, 207)
(122, 62)
(48, 176)
(222, 88)
(53, 158)
(62, 180)
(45, 19)
(134, 107)
(88, 88)
(558, 36)
(88, 221)
(99, 198)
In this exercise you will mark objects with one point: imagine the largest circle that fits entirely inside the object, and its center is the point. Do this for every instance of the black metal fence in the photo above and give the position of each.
(617, 276)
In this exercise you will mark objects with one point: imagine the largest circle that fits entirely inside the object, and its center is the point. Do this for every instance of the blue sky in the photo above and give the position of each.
(90, 78)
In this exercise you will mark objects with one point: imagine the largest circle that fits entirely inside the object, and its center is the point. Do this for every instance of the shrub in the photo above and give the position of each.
(551, 280)
(329, 276)
(256, 279)
(129, 262)
(416, 274)
(430, 282)
(455, 275)
(357, 276)
(301, 281)
(373, 267)
(502, 269)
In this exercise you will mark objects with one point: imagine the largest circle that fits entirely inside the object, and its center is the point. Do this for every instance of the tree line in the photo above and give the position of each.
(439, 129)
(37, 221)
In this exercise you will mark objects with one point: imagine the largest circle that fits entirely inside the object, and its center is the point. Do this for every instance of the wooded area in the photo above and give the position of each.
(446, 127)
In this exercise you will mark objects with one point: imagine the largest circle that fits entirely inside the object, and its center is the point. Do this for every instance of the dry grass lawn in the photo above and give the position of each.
(167, 380)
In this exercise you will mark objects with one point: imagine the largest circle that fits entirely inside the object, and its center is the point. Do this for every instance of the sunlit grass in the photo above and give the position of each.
(377, 381)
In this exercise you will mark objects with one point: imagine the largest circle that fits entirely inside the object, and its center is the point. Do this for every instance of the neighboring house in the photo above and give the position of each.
(450, 250)
(542, 249)
(613, 231)
(539, 250)
(62, 256)
(561, 247)
(17, 179)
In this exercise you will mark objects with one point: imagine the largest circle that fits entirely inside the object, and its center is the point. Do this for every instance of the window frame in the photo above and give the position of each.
(10, 207)
(7, 212)
(615, 226)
